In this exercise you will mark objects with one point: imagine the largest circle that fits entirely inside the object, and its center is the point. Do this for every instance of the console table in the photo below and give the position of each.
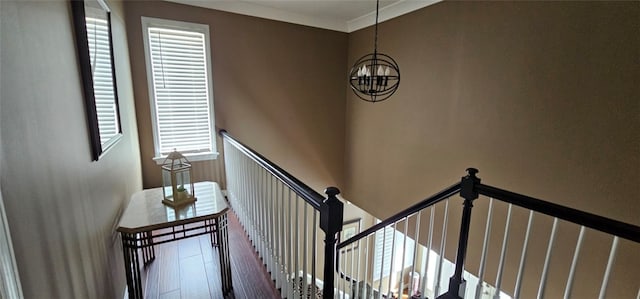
(147, 222)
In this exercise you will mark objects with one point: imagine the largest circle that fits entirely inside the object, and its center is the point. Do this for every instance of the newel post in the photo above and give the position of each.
(469, 192)
(331, 213)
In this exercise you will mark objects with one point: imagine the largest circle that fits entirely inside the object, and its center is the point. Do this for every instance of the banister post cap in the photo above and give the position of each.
(468, 184)
(332, 191)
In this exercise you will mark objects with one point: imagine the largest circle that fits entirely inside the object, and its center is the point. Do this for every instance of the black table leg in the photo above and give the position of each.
(148, 250)
(222, 236)
(132, 265)
(212, 227)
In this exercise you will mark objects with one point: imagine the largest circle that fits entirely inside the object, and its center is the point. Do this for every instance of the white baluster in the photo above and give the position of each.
(296, 250)
(366, 269)
(265, 226)
(415, 254)
(304, 251)
(313, 253)
(547, 260)
(384, 240)
(485, 245)
(574, 263)
(283, 259)
(503, 254)
(523, 257)
(272, 239)
(442, 249)
(393, 251)
(607, 272)
(404, 247)
(425, 269)
(358, 267)
(278, 234)
(289, 245)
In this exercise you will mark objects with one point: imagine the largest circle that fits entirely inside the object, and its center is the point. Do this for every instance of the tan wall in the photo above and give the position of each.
(61, 206)
(541, 97)
(278, 87)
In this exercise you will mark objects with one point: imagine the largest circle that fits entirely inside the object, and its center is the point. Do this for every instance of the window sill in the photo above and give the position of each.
(193, 157)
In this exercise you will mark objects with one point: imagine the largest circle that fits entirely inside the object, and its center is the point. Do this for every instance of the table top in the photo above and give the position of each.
(146, 211)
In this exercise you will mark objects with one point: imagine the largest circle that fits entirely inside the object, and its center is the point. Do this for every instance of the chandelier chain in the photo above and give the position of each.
(375, 38)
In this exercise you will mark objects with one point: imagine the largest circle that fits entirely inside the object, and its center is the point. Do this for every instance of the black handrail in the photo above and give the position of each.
(607, 225)
(305, 192)
(425, 203)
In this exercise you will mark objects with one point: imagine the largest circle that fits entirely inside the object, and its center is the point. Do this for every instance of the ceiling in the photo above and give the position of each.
(339, 15)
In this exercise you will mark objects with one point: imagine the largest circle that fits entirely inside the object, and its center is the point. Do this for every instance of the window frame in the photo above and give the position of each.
(185, 26)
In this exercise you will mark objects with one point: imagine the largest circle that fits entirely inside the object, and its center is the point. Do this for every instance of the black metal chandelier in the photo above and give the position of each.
(375, 76)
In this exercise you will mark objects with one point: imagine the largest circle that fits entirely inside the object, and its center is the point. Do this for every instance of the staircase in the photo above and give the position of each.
(518, 246)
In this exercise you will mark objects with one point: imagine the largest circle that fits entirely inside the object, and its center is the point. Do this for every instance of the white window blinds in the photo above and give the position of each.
(391, 252)
(98, 39)
(383, 251)
(181, 97)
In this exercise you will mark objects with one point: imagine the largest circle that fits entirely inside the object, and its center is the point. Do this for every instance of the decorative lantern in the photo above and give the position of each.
(176, 180)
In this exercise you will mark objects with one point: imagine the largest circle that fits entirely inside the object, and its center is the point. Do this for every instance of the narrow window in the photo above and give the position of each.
(178, 59)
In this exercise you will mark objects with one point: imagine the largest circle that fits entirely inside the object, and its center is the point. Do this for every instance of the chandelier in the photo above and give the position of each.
(375, 76)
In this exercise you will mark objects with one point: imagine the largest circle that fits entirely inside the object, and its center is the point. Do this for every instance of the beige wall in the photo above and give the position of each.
(543, 98)
(278, 87)
(61, 206)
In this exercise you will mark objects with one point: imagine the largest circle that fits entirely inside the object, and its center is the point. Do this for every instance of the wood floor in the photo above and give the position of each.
(190, 269)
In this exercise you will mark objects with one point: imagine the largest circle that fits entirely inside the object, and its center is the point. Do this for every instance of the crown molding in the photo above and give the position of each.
(255, 10)
(388, 12)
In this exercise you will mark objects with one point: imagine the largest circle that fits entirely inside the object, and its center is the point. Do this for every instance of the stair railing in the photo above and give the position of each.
(281, 216)
(364, 272)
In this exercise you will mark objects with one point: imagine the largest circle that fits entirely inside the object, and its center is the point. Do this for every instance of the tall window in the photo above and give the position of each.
(178, 58)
